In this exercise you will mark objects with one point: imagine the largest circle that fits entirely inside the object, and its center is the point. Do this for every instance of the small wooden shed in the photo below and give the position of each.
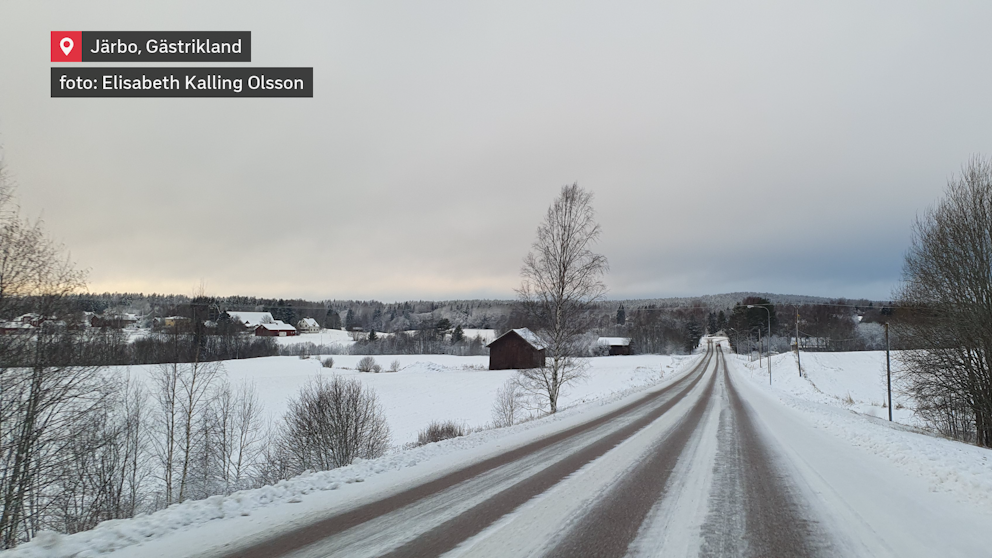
(516, 349)
(616, 345)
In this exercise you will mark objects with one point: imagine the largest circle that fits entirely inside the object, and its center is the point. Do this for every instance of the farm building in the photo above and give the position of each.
(616, 345)
(275, 329)
(516, 349)
(250, 320)
(308, 325)
(174, 321)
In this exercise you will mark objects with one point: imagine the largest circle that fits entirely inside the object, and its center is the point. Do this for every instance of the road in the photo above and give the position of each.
(702, 467)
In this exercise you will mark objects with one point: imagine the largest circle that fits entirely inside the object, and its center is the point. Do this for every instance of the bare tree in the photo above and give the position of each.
(42, 390)
(508, 404)
(947, 295)
(562, 279)
(182, 392)
(238, 418)
(104, 470)
(332, 422)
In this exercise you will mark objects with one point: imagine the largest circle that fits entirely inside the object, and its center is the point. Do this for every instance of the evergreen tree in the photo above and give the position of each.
(457, 335)
(693, 331)
(372, 335)
(333, 320)
(621, 316)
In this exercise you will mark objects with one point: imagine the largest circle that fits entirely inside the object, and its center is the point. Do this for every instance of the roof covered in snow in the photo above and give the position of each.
(615, 341)
(527, 335)
(251, 319)
(277, 325)
(309, 322)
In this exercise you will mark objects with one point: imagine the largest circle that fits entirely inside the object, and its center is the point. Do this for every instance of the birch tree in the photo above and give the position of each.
(561, 279)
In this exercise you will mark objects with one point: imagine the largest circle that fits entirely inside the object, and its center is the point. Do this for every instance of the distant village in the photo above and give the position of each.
(262, 324)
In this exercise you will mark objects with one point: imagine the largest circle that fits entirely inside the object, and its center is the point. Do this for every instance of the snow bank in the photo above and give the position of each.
(853, 380)
(843, 395)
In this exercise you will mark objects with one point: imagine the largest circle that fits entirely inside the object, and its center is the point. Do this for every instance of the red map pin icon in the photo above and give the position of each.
(67, 46)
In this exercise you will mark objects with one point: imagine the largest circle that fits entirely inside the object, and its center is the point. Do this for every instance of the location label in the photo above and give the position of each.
(67, 46)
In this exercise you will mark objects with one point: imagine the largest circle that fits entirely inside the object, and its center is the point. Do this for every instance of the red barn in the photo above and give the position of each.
(275, 329)
(516, 349)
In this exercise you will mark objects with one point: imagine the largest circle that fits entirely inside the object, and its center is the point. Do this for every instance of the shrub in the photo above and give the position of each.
(366, 364)
(376, 368)
(394, 366)
(331, 423)
(327, 362)
(508, 404)
(438, 430)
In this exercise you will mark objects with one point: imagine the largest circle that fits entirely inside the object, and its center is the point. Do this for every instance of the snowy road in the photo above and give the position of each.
(708, 466)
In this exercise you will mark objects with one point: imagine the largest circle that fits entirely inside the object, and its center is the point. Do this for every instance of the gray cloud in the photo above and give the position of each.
(772, 147)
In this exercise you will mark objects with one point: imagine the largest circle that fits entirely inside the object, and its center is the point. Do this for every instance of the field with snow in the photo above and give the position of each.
(430, 387)
(852, 380)
(325, 337)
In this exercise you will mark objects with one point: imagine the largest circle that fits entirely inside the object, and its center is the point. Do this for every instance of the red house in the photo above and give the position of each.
(516, 349)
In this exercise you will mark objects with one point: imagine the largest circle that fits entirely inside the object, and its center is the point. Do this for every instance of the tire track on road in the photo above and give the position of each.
(609, 527)
(753, 509)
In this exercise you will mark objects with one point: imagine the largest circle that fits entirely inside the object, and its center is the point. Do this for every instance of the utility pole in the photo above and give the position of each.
(769, 312)
(888, 369)
(759, 347)
(798, 362)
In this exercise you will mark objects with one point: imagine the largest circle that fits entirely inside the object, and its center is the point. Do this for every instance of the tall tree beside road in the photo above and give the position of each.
(42, 392)
(561, 279)
(947, 292)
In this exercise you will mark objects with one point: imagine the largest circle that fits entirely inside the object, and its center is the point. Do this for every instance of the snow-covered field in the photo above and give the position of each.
(429, 387)
(325, 337)
(853, 380)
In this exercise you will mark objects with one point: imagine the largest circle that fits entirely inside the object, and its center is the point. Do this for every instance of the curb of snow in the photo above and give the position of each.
(961, 469)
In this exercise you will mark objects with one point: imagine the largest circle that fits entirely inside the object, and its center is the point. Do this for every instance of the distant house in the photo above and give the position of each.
(117, 321)
(16, 327)
(250, 320)
(616, 345)
(175, 321)
(516, 349)
(32, 319)
(308, 325)
(275, 329)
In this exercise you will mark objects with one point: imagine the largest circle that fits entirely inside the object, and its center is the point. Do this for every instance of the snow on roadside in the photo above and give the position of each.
(231, 518)
(843, 395)
(854, 380)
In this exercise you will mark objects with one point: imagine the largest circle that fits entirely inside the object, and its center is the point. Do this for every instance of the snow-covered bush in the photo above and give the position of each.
(366, 364)
(332, 423)
(440, 430)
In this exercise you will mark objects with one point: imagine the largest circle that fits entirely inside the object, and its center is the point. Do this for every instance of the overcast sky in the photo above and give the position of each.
(766, 146)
